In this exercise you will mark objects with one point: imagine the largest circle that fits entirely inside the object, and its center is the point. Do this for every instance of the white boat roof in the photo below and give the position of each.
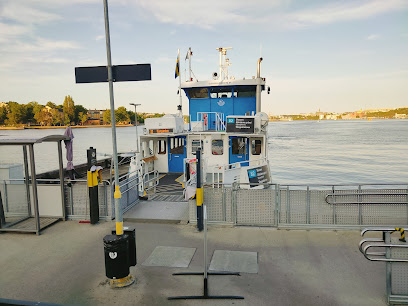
(161, 135)
(230, 82)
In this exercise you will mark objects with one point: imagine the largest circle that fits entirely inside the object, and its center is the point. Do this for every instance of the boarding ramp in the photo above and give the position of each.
(394, 252)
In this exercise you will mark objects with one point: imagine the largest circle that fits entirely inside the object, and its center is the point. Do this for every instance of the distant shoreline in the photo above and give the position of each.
(61, 127)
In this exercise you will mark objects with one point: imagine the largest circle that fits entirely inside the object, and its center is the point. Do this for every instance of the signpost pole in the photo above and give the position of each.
(117, 194)
(127, 280)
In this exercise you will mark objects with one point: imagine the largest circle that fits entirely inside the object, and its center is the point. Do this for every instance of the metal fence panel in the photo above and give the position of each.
(320, 211)
(399, 272)
(297, 204)
(255, 207)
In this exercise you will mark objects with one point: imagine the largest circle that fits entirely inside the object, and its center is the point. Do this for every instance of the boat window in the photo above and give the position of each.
(161, 147)
(238, 146)
(151, 148)
(221, 92)
(217, 147)
(256, 146)
(178, 147)
(198, 93)
(195, 144)
(245, 91)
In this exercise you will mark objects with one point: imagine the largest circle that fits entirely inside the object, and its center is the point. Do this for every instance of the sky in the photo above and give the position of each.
(335, 56)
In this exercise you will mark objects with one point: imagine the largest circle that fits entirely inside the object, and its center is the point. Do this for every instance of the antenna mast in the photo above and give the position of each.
(224, 63)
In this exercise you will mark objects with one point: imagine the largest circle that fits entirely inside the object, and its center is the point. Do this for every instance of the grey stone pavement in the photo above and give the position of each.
(158, 212)
(65, 265)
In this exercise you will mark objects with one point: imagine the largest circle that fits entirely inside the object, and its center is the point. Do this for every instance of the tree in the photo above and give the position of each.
(50, 104)
(16, 113)
(29, 110)
(69, 109)
(107, 116)
(3, 113)
(57, 116)
(121, 115)
(39, 115)
(79, 112)
(82, 117)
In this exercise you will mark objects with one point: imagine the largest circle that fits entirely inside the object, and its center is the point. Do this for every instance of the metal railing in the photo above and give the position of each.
(305, 206)
(204, 117)
(219, 172)
(150, 182)
(395, 255)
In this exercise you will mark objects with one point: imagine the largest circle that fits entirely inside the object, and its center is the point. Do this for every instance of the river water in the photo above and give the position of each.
(300, 152)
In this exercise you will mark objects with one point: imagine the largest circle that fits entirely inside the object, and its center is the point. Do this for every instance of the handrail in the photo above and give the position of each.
(383, 245)
(377, 229)
(379, 243)
(361, 194)
(155, 178)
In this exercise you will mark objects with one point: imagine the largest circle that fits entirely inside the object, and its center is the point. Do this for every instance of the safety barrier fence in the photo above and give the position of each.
(307, 206)
(17, 200)
(394, 252)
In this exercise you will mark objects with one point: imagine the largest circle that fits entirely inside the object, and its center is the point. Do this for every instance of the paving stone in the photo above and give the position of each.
(174, 257)
(234, 261)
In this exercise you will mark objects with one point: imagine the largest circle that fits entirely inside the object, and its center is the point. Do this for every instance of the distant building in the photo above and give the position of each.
(331, 117)
(401, 116)
(95, 117)
(354, 115)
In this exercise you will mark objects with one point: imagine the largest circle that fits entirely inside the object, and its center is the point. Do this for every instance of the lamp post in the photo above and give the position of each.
(137, 137)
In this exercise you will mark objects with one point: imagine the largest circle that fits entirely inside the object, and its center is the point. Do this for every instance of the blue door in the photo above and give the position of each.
(177, 153)
(238, 150)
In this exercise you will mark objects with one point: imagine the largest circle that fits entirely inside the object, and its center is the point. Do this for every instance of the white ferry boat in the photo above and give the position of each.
(225, 121)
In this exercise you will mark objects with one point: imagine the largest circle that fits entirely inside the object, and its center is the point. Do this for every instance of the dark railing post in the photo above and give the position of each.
(199, 192)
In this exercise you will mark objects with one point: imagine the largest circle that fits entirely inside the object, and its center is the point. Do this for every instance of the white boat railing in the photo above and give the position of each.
(218, 172)
(204, 117)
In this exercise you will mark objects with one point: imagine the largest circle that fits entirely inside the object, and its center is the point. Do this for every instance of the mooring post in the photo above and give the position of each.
(199, 192)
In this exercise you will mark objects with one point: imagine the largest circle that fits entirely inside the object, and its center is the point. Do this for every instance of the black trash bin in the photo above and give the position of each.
(131, 233)
(116, 256)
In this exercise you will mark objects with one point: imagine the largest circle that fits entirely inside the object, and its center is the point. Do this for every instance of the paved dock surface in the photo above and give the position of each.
(65, 265)
(158, 211)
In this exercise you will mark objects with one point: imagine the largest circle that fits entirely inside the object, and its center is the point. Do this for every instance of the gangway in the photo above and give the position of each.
(394, 253)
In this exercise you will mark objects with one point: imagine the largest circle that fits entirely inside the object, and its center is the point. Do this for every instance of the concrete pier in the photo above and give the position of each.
(66, 266)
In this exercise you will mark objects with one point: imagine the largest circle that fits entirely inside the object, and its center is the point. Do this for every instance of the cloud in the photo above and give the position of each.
(213, 12)
(373, 37)
(99, 37)
(342, 11)
(16, 11)
(274, 13)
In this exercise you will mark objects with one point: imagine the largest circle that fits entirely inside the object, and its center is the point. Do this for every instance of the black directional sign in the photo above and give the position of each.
(120, 73)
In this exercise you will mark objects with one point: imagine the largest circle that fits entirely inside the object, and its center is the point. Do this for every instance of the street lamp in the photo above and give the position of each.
(137, 137)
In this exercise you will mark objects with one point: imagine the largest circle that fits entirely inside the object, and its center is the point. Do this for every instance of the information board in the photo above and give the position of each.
(158, 131)
(240, 125)
(259, 175)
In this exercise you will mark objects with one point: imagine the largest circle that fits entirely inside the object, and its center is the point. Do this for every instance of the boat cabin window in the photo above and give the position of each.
(244, 91)
(177, 146)
(256, 145)
(195, 144)
(238, 146)
(198, 93)
(161, 147)
(217, 147)
(221, 92)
